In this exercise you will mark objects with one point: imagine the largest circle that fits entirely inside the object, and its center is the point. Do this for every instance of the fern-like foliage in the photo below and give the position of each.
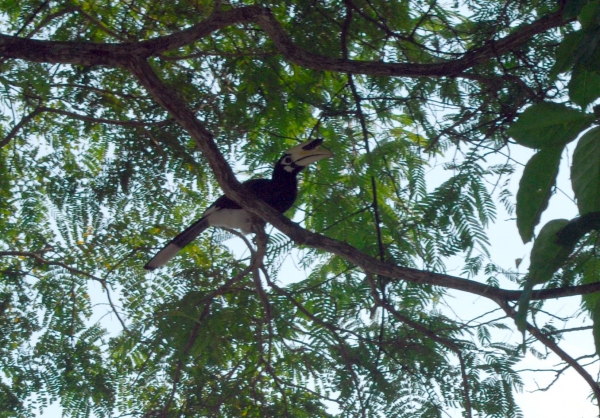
(95, 176)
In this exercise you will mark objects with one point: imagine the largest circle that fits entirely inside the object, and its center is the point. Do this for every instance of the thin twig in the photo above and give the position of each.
(15, 130)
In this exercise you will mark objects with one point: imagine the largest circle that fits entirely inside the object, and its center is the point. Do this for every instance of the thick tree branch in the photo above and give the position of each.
(170, 100)
(88, 53)
(117, 54)
(133, 57)
(448, 68)
(172, 103)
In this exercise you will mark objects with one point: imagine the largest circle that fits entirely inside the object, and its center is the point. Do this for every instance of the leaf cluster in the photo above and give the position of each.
(95, 175)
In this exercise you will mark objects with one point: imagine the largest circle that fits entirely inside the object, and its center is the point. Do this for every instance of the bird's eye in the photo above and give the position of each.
(287, 160)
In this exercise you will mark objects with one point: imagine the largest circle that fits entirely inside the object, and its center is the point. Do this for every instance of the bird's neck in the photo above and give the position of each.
(284, 178)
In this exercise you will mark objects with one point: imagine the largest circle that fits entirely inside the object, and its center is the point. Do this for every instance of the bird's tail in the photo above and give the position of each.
(177, 243)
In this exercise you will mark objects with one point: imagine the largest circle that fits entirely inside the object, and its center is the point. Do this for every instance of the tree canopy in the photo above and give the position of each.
(121, 121)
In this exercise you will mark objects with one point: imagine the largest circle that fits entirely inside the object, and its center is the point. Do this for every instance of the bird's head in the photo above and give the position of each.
(300, 156)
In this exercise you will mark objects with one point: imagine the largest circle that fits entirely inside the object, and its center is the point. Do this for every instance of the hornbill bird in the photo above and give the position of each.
(279, 192)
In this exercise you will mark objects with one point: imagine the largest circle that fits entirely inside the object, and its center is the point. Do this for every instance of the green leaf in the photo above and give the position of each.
(578, 227)
(585, 172)
(589, 12)
(565, 53)
(584, 86)
(535, 189)
(591, 302)
(573, 7)
(586, 53)
(107, 173)
(549, 125)
(547, 256)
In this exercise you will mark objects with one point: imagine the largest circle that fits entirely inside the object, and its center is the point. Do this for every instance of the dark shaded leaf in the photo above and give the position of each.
(584, 86)
(535, 187)
(549, 125)
(547, 256)
(585, 172)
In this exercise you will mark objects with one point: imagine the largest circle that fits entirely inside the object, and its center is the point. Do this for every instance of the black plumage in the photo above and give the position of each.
(279, 192)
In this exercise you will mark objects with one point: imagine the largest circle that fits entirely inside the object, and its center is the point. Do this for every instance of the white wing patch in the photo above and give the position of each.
(229, 218)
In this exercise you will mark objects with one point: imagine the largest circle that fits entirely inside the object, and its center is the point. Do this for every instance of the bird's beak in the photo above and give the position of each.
(309, 152)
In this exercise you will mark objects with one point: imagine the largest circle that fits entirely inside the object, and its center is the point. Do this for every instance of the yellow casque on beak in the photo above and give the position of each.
(309, 152)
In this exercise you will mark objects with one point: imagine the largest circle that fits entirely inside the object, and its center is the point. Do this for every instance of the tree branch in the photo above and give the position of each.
(207, 301)
(433, 335)
(131, 56)
(549, 342)
(15, 130)
(443, 69)
(170, 100)
(119, 54)
(90, 119)
(72, 270)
